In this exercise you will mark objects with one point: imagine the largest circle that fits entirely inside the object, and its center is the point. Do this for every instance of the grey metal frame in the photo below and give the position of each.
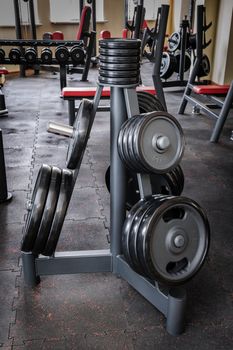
(124, 104)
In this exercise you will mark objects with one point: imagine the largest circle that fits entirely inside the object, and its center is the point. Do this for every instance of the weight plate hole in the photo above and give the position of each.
(175, 267)
(173, 213)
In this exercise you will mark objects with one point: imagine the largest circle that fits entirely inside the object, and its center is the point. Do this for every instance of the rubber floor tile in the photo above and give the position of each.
(8, 292)
(14, 210)
(18, 156)
(16, 139)
(51, 155)
(52, 311)
(83, 235)
(17, 178)
(109, 340)
(84, 204)
(99, 170)
(10, 240)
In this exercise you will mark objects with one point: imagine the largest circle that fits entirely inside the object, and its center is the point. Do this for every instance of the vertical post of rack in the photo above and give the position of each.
(4, 194)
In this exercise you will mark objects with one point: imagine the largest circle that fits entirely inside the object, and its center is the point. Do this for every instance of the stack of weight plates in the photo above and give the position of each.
(119, 61)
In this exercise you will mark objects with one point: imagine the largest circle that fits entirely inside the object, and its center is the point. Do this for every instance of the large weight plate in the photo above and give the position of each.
(120, 60)
(159, 142)
(80, 136)
(118, 81)
(204, 68)
(174, 41)
(187, 63)
(65, 193)
(148, 102)
(118, 73)
(130, 161)
(35, 213)
(119, 66)
(175, 240)
(48, 213)
(115, 43)
(119, 52)
(168, 65)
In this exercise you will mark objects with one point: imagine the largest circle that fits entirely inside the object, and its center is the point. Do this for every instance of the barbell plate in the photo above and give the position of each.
(120, 52)
(148, 102)
(48, 213)
(204, 68)
(187, 62)
(174, 240)
(65, 193)
(80, 136)
(118, 73)
(119, 66)
(159, 142)
(126, 230)
(118, 60)
(35, 212)
(168, 65)
(174, 41)
(115, 43)
(118, 81)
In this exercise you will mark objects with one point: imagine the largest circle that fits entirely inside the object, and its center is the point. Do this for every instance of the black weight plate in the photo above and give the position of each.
(2, 55)
(30, 55)
(143, 231)
(180, 175)
(187, 63)
(178, 180)
(118, 81)
(46, 55)
(49, 210)
(15, 55)
(148, 102)
(135, 131)
(126, 230)
(168, 65)
(174, 41)
(118, 60)
(120, 142)
(130, 147)
(65, 193)
(35, 213)
(77, 54)
(174, 217)
(133, 232)
(114, 43)
(80, 136)
(119, 66)
(118, 73)
(119, 52)
(204, 68)
(128, 131)
(62, 54)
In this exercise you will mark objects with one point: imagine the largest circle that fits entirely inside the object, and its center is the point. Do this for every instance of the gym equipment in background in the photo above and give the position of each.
(3, 72)
(5, 196)
(163, 239)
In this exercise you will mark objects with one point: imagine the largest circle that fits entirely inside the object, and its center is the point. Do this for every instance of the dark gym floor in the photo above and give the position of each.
(102, 311)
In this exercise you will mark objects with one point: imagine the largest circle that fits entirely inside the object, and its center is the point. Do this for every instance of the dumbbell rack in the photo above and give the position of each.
(124, 104)
(52, 43)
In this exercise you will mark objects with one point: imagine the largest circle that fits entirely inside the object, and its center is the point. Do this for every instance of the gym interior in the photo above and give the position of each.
(116, 187)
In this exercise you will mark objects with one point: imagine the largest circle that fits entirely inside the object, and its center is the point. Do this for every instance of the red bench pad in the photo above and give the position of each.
(72, 92)
(211, 89)
(3, 71)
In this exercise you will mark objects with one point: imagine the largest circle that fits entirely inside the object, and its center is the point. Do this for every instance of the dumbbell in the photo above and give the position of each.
(2, 55)
(15, 55)
(30, 55)
(46, 55)
(62, 54)
(77, 54)
(47, 36)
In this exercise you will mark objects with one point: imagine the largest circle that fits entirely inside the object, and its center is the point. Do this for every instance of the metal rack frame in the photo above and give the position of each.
(124, 104)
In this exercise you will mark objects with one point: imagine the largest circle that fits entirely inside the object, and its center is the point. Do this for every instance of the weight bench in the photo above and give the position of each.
(3, 109)
(220, 96)
(71, 94)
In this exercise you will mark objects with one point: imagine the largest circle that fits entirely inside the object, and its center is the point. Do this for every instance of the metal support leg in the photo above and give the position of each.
(62, 77)
(3, 109)
(176, 311)
(118, 176)
(29, 269)
(223, 115)
(4, 194)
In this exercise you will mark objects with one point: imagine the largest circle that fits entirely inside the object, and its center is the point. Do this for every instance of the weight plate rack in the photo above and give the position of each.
(128, 257)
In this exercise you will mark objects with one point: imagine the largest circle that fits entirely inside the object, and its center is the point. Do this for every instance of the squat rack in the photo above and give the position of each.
(171, 303)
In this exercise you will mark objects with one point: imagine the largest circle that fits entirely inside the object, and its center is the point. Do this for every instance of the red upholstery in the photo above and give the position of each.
(125, 33)
(211, 89)
(84, 22)
(3, 71)
(57, 35)
(81, 92)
